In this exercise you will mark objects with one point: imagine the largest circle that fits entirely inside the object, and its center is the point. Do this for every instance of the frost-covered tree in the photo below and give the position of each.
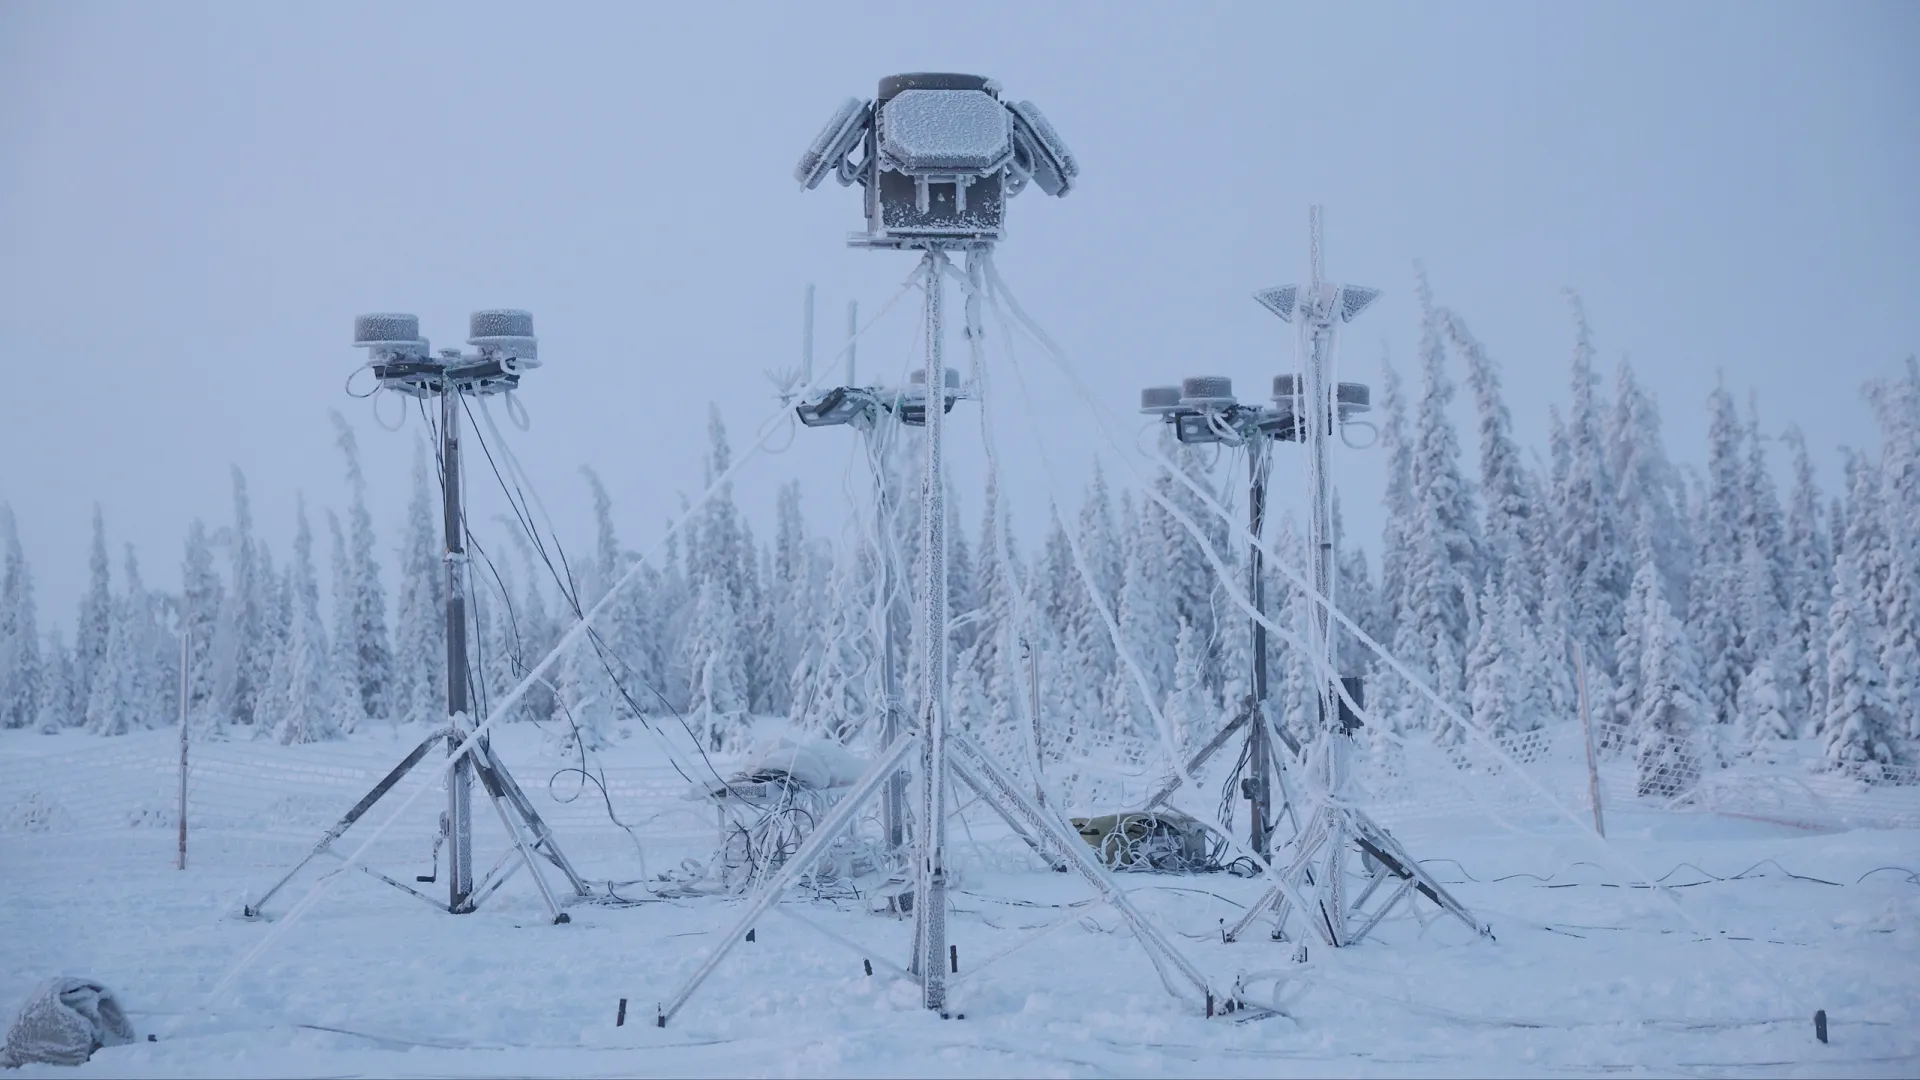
(534, 630)
(95, 620)
(719, 699)
(1714, 611)
(134, 688)
(1668, 720)
(360, 601)
(60, 706)
(1763, 708)
(1190, 711)
(301, 705)
(1494, 690)
(1858, 729)
(1437, 628)
(21, 679)
(1630, 647)
(1646, 482)
(1510, 501)
(1897, 405)
(1809, 570)
(202, 596)
(792, 588)
(420, 641)
(243, 637)
(1396, 442)
(344, 697)
(1591, 539)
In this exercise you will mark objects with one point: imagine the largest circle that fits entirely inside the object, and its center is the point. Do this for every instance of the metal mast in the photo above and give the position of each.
(460, 782)
(930, 899)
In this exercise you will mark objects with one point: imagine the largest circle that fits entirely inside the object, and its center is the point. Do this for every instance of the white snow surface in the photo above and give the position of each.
(1585, 976)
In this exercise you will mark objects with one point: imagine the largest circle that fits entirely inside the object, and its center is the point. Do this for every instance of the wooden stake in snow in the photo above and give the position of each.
(1586, 729)
(185, 639)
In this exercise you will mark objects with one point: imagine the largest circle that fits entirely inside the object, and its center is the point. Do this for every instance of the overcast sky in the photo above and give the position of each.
(195, 200)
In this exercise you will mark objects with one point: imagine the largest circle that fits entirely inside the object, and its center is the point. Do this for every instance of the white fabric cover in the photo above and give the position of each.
(63, 1022)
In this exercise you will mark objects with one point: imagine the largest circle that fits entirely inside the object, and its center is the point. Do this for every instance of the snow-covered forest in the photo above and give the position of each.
(1715, 606)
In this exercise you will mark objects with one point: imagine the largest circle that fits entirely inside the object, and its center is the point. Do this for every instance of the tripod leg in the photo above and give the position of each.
(340, 827)
(967, 777)
(1373, 920)
(490, 781)
(1006, 789)
(776, 886)
(1277, 897)
(542, 835)
(1380, 844)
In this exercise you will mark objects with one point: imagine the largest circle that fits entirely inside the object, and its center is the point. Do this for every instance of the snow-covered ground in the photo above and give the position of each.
(1584, 976)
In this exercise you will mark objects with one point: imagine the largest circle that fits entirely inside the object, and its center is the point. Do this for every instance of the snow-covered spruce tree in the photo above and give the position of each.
(1897, 405)
(1106, 560)
(1389, 699)
(1195, 591)
(534, 629)
(302, 706)
(1072, 700)
(504, 663)
(341, 667)
(1510, 500)
(626, 658)
(1714, 610)
(1146, 617)
(1857, 732)
(1865, 538)
(363, 620)
(1591, 539)
(21, 679)
(1504, 688)
(1646, 481)
(95, 619)
(1630, 647)
(1810, 585)
(836, 687)
(791, 590)
(714, 644)
(202, 597)
(133, 688)
(588, 702)
(275, 630)
(1763, 707)
(1443, 574)
(1190, 710)
(995, 655)
(719, 707)
(1358, 600)
(241, 637)
(1763, 551)
(60, 708)
(420, 641)
(1666, 759)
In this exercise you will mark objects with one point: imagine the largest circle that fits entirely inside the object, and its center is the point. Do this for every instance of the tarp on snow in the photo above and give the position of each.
(63, 1022)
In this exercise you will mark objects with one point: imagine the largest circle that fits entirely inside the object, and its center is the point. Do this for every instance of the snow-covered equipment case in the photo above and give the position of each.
(940, 154)
(1163, 840)
(63, 1022)
(768, 808)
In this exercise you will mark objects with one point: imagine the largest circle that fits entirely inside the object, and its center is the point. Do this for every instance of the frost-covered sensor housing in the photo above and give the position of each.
(939, 155)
